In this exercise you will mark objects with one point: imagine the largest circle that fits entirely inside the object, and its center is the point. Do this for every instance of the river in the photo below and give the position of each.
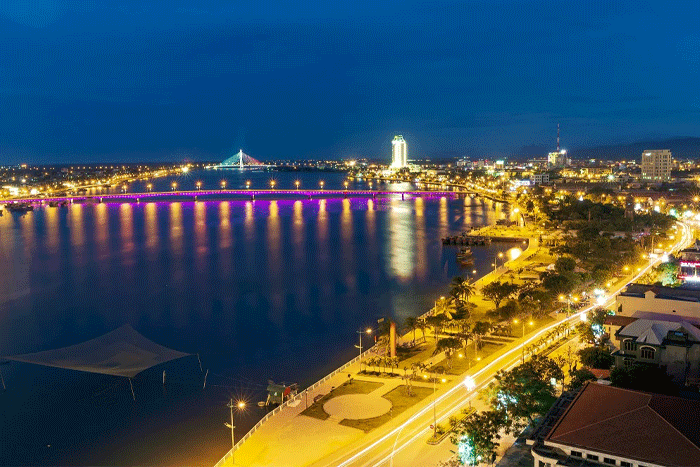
(270, 289)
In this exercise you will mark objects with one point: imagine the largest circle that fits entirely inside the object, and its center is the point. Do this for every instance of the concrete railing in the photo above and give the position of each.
(279, 408)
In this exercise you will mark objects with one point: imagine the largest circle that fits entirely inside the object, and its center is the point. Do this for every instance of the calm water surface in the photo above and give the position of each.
(260, 290)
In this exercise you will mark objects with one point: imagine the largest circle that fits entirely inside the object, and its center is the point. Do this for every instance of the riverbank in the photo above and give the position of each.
(274, 440)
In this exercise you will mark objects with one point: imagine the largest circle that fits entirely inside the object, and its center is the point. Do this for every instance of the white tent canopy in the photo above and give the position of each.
(122, 352)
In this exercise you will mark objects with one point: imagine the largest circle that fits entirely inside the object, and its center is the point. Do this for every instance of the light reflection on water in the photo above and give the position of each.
(261, 289)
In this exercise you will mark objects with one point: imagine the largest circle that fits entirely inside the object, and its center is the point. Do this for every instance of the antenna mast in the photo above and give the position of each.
(558, 149)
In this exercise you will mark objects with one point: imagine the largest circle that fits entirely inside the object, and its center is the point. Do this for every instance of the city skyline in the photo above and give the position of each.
(169, 81)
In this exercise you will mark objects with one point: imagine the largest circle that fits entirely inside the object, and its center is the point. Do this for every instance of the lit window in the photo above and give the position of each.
(630, 345)
(648, 353)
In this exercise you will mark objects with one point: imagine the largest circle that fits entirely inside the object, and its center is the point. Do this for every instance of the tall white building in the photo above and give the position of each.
(399, 153)
(656, 165)
(558, 158)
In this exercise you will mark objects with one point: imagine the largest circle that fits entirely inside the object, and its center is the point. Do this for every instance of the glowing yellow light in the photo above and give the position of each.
(241, 405)
(515, 253)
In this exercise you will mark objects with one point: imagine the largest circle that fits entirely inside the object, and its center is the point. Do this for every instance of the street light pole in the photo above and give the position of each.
(434, 409)
(240, 405)
(233, 435)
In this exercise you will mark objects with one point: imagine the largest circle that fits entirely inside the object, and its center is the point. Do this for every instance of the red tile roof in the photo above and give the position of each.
(639, 426)
(618, 320)
(600, 374)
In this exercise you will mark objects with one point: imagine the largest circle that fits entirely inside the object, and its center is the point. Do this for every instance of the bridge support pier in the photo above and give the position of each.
(402, 196)
(195, 198)
(374, 196)
(100, 200)
(345, 195)
(252, 197)
(309, 197)
(138, 200)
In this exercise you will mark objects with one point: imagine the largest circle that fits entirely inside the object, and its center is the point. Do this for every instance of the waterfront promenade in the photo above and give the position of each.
(291, 439)
(276, 441)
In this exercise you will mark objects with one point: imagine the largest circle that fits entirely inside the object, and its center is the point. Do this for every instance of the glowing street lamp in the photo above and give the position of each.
(223, 184)
(149, 187)
(173, 186)
(124, 188)
(272, 184)
(240, 406)
(297, 183)
(367, 331)
(199, 185)
(247, 184)
(322, 183)
(346, 184)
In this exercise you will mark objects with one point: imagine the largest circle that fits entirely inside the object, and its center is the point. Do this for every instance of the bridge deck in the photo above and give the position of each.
(235, 193)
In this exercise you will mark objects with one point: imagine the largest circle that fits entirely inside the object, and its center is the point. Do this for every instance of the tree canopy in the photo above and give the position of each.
(498, 291)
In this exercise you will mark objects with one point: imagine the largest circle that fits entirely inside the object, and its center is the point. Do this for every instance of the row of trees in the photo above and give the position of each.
(516, 398)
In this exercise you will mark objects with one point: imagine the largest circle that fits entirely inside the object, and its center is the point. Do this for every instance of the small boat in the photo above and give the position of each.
(19, 207)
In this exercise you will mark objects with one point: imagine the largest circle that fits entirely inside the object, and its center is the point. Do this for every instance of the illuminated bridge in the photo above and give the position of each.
(239, 194)
(240, 160)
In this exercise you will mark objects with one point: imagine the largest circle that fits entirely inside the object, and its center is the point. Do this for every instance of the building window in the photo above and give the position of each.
(629, 344)
(628, 361)
(627, 464)
(648, 353)
(607, 460)
(592, 457)
(576, 454)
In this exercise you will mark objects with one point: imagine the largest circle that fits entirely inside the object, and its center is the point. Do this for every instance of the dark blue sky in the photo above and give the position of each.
(83, 80)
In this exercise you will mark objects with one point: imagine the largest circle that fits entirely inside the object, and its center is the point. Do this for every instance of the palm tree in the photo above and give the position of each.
(479, 330)
(443, 307)
(422, 325)
(436, 322)
(461, 289)
(412, 324)
(468, 289)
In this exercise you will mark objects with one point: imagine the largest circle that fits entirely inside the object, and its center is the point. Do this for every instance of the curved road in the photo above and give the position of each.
(408, 440)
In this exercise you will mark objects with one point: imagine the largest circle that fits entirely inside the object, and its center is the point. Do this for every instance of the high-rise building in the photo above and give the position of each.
(399, 153)
(557, 158)
(656, 165)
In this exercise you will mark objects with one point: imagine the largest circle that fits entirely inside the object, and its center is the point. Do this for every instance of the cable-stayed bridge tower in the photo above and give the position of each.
(240, 160)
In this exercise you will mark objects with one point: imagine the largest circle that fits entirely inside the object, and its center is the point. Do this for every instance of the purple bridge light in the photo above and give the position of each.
(250, 193)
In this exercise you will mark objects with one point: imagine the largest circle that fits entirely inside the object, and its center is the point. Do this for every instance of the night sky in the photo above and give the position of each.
(171, 80)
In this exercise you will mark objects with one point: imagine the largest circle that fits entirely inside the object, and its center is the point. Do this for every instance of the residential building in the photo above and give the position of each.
(399, 153)
(539, 179)
(673, 346)
(607, 426)
(658, 302)
(690, 263)
(656, 165)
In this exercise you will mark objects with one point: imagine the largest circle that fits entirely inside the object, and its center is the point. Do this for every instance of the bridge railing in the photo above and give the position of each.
(298, 397)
